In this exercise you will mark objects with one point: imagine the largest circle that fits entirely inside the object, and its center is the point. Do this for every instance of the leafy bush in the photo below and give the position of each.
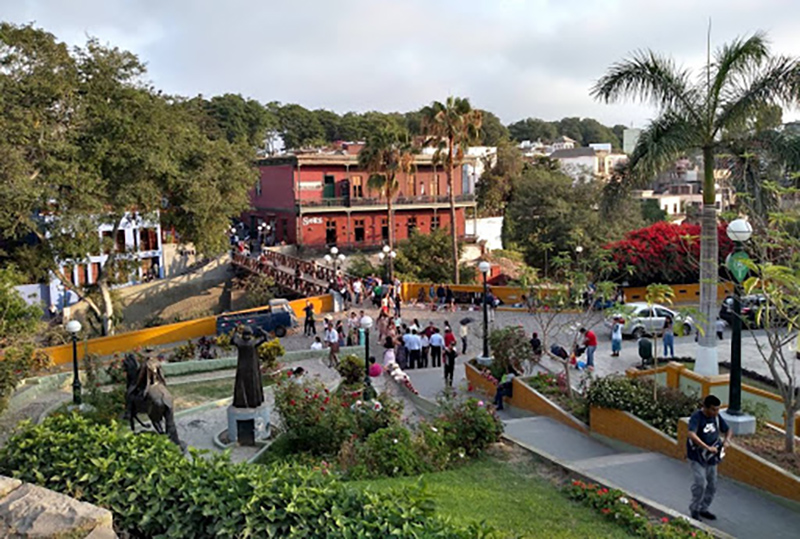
(390, 452)
(360, 266)
(224, 341)
(351, 368)
(153, 490)
(511, 348)
(635, 395)
(319, 422)
(468, 426)
(184, 352)
(269, 352)
(114, 371)
(17, 363)
(615, 506)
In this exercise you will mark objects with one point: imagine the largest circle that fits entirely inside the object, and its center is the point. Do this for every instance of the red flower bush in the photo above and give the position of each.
(664, 253)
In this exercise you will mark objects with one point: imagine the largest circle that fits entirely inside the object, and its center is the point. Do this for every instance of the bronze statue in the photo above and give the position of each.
(248, 392)
(147, 393)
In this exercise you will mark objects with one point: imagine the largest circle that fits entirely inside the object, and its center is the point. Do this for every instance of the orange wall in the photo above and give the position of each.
(170, 333)
(684, 293)
(626, 428)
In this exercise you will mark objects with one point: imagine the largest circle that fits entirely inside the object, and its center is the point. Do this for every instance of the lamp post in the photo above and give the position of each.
(739, 231)
(73, 327)
(388, 254)
(366, 325)
(578, 251)
(484, 267)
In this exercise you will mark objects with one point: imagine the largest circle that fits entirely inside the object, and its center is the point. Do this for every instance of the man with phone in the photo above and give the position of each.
(705, 450)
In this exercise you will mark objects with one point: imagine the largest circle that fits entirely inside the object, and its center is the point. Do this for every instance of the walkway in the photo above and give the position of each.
(742, 511)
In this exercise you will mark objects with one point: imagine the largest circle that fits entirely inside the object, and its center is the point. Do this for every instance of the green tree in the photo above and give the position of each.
(694, 112)
(532, 129)
(494, 187)
(424, 258)
(84, 141)
(240, 119)
(492, 132)
(457, 125)
(387, 154)
(299, 127)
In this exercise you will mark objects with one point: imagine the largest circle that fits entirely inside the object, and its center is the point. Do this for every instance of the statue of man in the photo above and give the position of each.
(248, 391)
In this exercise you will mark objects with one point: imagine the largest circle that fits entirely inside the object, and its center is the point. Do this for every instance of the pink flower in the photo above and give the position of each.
(480, 403)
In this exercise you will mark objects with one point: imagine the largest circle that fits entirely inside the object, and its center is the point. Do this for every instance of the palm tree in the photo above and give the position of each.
(455, 123)
(694, 113)
(387, 154)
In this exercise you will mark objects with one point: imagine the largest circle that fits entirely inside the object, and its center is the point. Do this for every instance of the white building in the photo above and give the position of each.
(137, 238)
(578, 163)
(629, 139)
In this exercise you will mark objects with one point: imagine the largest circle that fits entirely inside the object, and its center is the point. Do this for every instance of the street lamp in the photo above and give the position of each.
(73, 327)
(388, 254)
(484, 267)
(366, 324)
(739, 231)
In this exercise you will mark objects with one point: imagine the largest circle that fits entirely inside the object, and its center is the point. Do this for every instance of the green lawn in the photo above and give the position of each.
(512, 497)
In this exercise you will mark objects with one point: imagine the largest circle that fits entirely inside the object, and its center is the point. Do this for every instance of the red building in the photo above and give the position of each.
(322, 199)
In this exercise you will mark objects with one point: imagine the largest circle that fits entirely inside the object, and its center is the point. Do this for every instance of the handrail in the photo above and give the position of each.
(302, 276)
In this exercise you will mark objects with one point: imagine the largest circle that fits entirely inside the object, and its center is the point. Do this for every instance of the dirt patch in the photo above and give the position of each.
(769, 445)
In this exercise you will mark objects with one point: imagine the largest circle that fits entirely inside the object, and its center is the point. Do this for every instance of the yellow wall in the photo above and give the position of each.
(181, 331)
(684, 293)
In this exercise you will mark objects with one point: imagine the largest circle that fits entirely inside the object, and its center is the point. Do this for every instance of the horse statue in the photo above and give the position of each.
(147, 393)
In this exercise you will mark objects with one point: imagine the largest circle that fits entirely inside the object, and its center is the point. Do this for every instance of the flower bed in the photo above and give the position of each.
(555, 389)
(627, 512)
(768, 444)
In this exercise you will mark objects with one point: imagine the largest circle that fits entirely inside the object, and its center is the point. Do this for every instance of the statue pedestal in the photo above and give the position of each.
(248, 426)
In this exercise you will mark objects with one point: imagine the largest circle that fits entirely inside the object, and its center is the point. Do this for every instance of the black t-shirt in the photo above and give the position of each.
(708, 429)
(450, 358)
(309, 309)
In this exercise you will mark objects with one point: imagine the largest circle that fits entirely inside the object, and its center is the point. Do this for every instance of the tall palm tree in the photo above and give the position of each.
(387, 153)
(694, 113)
(457, 124)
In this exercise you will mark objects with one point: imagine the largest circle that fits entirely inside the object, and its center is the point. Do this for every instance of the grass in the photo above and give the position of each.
(196, 393)
(511, 495)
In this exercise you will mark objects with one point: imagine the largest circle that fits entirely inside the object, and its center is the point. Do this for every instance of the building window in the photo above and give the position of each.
(121, 241)
(384, 229)
(358, 187)
(422, 188)
(285, 224)
(411, 225)
(435, 185)
(83, 275)
(674, 208)
(148, 239)
(330, 232)
(435, 225)
(328, 186)
(95, 271)
(411, 185)
(258, 188)
(358, 228)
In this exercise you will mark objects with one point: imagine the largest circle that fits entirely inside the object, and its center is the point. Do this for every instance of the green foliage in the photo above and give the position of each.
(652, 212)
(238, 119)
(425, 258)
(492, 131)
(510, 347)
(389, 452)
(360, 266)
(17, 363)
(269, 352)
(18, 320)
(260, 289)
(494, 189)
(584, 131)
(351, 369)
(468, 426)
(184, 352)
(153, 490)
(615, 506)
(635, 395)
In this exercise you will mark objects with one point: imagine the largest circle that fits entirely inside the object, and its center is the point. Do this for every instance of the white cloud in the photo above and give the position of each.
(516, 58)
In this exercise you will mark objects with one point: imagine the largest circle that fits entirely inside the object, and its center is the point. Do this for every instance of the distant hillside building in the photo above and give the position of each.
(630, 137)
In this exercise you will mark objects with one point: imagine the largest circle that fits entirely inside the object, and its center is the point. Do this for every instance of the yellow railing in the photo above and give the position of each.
(170, 333)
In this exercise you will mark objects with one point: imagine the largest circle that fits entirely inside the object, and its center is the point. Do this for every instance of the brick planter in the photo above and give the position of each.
(525, 398)
(628, 428)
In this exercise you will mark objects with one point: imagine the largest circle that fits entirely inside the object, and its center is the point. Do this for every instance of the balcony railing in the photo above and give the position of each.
(349, 202)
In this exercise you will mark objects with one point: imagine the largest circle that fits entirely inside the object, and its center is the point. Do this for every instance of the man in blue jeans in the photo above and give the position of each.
(705, 450)
(590, 342)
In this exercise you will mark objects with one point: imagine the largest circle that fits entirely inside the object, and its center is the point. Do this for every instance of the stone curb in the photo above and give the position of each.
(654, 507)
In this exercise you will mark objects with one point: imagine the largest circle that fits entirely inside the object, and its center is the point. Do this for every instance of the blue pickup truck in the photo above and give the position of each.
(277, 319)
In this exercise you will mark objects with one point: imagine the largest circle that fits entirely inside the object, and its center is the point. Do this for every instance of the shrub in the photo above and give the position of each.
(468, 426)
(351, 368)
(116, 374)
(431, 447)
(17, 363)
(511, 348)
(269, 352)
(184, 352)
(153, 490)
(224, 341)
(390, 452)
(635, 395)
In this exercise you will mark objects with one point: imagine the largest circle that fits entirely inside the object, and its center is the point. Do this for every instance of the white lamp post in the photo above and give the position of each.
(484, 268)
(73, 327)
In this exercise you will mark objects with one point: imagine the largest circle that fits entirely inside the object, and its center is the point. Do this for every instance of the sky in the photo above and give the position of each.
(516, 58)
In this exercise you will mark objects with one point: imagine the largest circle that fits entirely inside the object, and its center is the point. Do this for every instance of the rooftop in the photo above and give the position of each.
(574, 152)
(341, 158)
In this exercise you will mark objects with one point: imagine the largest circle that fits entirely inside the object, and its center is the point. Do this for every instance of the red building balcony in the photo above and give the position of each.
(372, 204)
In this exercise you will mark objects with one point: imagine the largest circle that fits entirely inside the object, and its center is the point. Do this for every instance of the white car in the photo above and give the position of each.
(642, 319)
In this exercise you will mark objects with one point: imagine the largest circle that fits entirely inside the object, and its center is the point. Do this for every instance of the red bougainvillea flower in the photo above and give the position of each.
(322, 408)
(665, 520)
(605, 511)
(292, 403)
(327, 400)
(470, 388)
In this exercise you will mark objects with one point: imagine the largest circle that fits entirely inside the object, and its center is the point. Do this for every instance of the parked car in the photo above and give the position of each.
(642, 319)
(752, 309)
(277, 319)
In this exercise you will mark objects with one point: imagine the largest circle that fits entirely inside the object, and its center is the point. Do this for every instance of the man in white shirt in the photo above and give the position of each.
(357, 291)
(426, 343)
(437, 343)
(317, 344)
(414, 345)
(464, 332)
(332, 342)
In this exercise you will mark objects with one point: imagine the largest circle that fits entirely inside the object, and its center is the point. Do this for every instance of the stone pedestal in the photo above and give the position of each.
(740, 424)
(248, 426)
(484, 361)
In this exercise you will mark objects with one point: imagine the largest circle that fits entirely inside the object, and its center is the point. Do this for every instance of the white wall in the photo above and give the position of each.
(489, 229)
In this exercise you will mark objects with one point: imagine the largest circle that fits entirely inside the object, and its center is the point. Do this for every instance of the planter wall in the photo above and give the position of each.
(525, 398)
(631, 430)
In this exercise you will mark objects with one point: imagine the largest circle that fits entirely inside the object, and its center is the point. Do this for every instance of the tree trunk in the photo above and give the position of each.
(789, 431)
(453, 230)
(709, 272)
(107, 314)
